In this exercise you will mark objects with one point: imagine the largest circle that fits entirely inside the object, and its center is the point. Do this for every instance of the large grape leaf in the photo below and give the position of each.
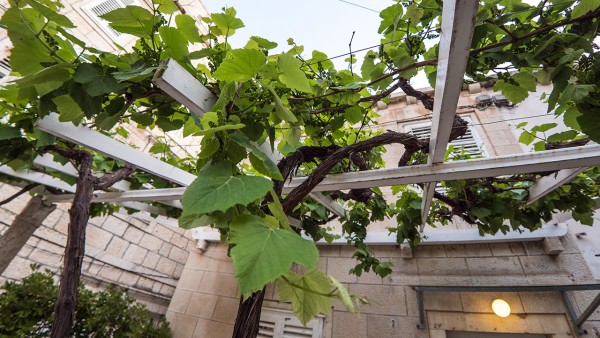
(217, 189)
(96, 79)
(262, 253)
(309, 293)
(243, 66)
(68, 109)
(134, 20)
(259, 160)
(187, 25)
(291, 74)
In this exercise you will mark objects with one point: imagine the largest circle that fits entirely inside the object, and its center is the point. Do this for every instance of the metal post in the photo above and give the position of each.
(421, 324)
(571, 310)
(587, 312)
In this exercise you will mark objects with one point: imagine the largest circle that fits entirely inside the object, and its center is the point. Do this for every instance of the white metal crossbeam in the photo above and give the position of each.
(549, 160)
(113, 148)
(38, 177)
(458, 22)
(433, 237)
(547, 184)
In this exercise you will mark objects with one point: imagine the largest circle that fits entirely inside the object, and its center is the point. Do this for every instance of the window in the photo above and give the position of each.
(283, 324)
(97, 8)
(4, 67)
(470, 141)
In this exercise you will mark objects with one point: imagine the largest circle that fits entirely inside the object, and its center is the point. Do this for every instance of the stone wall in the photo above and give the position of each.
(147, 258)
(206, 298)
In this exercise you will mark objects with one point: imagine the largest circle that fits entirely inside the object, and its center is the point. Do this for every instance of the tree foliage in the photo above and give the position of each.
(317, 116)
(27, 308)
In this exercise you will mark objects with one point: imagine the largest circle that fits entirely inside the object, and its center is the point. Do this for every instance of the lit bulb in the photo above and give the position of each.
(501, 308)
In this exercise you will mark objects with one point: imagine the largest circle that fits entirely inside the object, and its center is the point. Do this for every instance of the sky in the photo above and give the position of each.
(324, 25)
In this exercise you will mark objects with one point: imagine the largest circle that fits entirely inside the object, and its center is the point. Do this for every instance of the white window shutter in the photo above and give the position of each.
(97, 8)
(470, 141)
(283, 324)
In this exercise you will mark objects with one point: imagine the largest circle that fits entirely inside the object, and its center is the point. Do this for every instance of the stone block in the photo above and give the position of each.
(552, 246)
(226, 310)
(110, 273)
(442, 266)
(406, 251)
(179, 302)
(167, 290)
(128, 278)
(178, 270)
(179, 241)
(151, 260)
(17, 269)
(115, 225)
(178, 255)
(424, 251)
(384, 299)
(97, 237)
(45, 258)
(200, 261)
(135, 254)
(133, 234)
(216, 283)
(442, 301)
(379, 326)
(183, 326)
(208, 328)
(202, 305)
(329, 250)
(166, 266)
(53, 218)
(97, 221)
(346, 325)
(541, 302)
(163, 232)
(494, 266)
(117, 246)
(165, 249)
(151, 242)
(339, 268)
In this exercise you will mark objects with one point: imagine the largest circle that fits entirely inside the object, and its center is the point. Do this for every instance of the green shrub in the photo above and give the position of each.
(26, 310)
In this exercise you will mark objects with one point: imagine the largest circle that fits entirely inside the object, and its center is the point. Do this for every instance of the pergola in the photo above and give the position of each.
(458, 21)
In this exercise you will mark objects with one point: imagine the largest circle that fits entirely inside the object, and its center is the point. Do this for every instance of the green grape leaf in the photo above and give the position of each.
(354, 114)
(291, 73)
(480, 212)
(542, 128)
(343, 295)
(583, 7)
(242, 66)
(42, 138)
(216, 189)
(260, 161)
(134, 20)
(96, 79)
(563, 136)
(187, 26)
(137, 73)
(281, 110)
(227, 21)
(175, 41)
(517, 93)
(309, 293)
(570, 118)
(526, 138)
(212, 131)
(47, 79)
(165, 6)
(262, 42)
(7, 132)
(68, 109)
(51, 14)
(261, 253)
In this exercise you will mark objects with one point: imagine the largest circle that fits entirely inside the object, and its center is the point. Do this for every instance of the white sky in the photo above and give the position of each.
(324, 25)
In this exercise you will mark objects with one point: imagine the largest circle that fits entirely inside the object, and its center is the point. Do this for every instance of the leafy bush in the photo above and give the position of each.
(26, 310)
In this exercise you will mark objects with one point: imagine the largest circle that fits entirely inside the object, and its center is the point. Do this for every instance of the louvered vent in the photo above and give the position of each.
(470, 141)
(283, 324)
(4, 67)
(95, 9)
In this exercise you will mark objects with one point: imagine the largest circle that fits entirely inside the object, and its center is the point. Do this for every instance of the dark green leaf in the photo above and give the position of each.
(96, 79)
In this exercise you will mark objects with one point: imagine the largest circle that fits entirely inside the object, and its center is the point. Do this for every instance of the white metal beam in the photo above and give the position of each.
(549, 160)
(547, 184)
(168, 194)
(38, 177)
(329, 203)
(176, 81)
(434, 237)
(458, 22)
(48, 161)
(113, 148)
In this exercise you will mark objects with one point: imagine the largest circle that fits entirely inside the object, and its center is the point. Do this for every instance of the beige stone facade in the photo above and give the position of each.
(206, 298)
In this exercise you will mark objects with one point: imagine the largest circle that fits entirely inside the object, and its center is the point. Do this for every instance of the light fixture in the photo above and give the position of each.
(501, 308)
